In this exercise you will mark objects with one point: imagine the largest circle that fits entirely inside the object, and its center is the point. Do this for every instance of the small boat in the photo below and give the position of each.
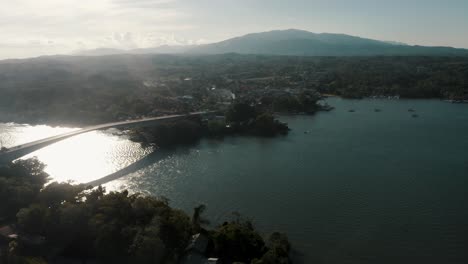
(377, 110)
(411, 110)
(351, 110)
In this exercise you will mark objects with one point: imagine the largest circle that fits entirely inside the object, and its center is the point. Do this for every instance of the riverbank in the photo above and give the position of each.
(241, 118)
(115, 227)
(319, 184)
(347, 166)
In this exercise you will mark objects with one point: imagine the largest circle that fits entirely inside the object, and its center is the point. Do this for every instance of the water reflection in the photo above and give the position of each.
(361, 184)
(148, 160)
(83, 158)
(16, 134)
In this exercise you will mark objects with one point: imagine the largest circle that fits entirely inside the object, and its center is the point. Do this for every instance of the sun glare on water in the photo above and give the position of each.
(82, 158)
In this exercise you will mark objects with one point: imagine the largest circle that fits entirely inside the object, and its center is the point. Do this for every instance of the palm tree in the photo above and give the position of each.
(197, 218)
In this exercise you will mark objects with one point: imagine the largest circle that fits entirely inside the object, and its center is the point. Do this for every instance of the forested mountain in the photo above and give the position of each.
(298, 43)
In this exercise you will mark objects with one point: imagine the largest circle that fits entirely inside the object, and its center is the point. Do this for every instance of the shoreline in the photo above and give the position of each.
(15, 119)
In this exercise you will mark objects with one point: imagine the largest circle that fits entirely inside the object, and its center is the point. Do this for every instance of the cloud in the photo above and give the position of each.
(31, 27)
(143, 3)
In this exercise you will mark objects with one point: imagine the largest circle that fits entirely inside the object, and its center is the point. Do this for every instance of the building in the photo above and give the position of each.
(7, 234)
(223, 95)
(195, 253)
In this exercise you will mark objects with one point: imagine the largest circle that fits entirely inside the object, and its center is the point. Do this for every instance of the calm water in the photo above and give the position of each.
(362, 187)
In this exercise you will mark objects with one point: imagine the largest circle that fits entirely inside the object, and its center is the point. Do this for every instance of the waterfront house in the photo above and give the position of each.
(195, 253)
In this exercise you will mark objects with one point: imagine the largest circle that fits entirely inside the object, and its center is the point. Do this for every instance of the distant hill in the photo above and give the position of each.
(297, 42)
(99, 52)
(165, 49)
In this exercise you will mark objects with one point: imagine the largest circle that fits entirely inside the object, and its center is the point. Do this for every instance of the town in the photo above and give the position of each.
(89, 91)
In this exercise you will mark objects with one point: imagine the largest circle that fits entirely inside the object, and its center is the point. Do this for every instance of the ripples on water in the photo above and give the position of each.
(80, 159)
(358, 187)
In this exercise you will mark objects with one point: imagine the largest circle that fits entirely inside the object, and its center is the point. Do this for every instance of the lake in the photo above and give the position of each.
(347, 187)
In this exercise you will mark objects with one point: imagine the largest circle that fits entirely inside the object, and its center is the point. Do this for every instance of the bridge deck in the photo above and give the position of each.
(21, 150)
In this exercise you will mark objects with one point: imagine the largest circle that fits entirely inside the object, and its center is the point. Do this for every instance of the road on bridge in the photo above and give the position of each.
(24, 149)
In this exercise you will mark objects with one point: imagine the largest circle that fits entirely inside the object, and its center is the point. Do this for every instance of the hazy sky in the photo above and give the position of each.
(38, 27)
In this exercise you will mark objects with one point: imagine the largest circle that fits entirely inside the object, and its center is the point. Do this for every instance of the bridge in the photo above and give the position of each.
(19, 151)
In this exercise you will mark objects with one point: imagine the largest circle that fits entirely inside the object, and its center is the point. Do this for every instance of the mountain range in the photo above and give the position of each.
(294, 42)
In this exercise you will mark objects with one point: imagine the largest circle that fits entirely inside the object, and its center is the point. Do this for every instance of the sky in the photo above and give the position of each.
(32, 28)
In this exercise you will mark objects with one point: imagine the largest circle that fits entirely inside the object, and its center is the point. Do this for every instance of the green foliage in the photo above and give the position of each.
(32, 220)
(286, 104)
(240, 112)
(55, 194)
(175, 229)
(91, 90)
(79, 223)
(278, 250)
(304, 102)
(247, 119)
(197, 219)
(24, 260)
(216, 127)
(88, 224)
(115, 227)
(308, 101)
(409, 77)
(172, 133)
(147, 246)
(20, 184)
(238, 241)
(266, 125)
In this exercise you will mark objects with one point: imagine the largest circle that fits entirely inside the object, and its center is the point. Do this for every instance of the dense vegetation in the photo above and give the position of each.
(61, 222)
(241, 118)
(20, 184)
(248, 119)
(418, 77)
(170, 133)
(86, 90)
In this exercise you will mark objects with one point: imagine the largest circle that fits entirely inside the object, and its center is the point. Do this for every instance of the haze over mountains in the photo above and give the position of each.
(296, 43)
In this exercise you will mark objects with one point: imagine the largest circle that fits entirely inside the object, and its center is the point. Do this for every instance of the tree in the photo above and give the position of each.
(197, 219)
(32, 220)
(238, 241)
(216, 128)
(266, 125)
(20, 184)
(55, 194)
(175, 133)
(278, 250)
(121, 228)
(240, 112)
(147, 246)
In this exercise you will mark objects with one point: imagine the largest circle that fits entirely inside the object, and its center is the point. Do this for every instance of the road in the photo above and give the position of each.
(21, 150)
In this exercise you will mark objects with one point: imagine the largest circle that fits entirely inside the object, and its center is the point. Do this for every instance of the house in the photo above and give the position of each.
(7, 233)
(186, 97)
(223, 95)
(199, 243)
(195, 253)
